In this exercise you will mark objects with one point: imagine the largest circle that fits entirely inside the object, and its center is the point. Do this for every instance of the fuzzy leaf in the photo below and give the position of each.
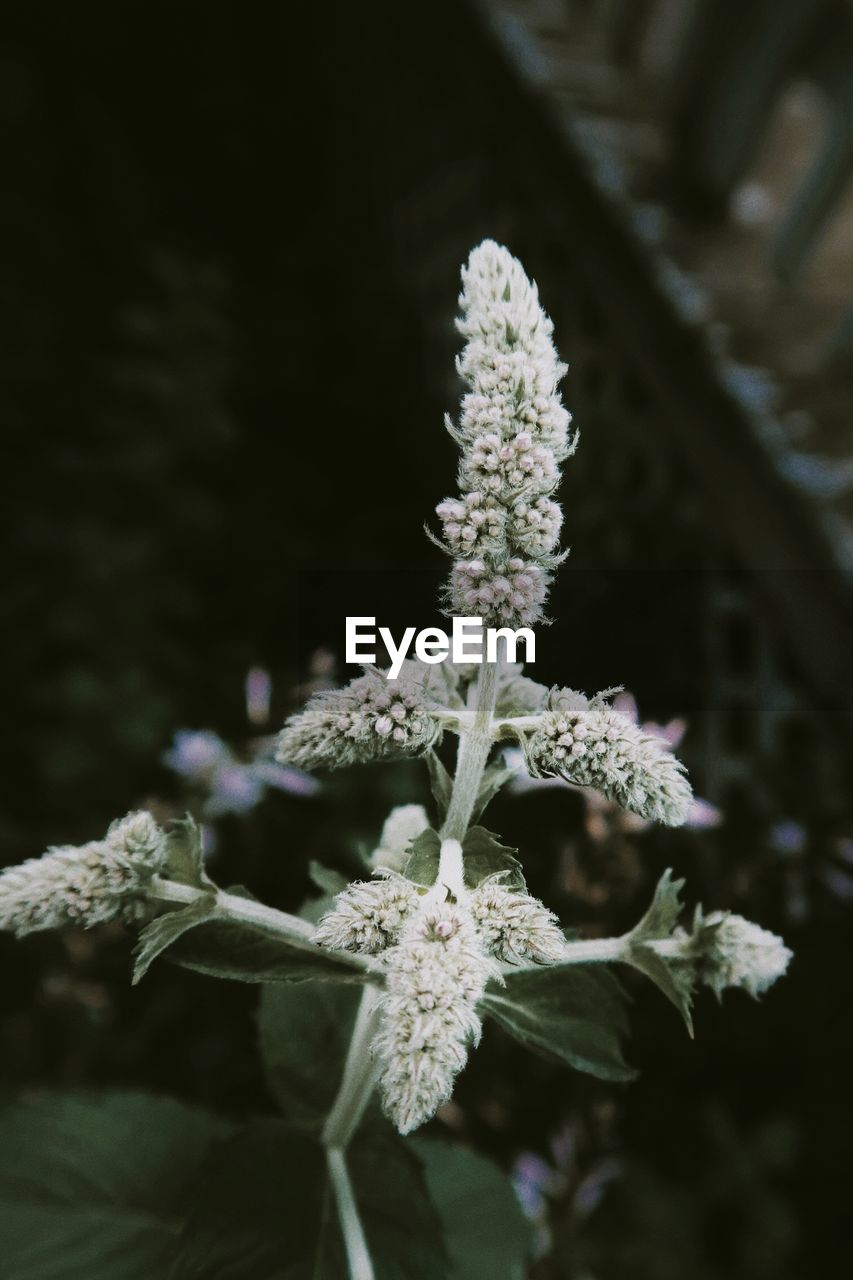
(304, 1034)
(424, 854)
(166, 929)
(494, 777)
(326, 879)
(674, 980)
(263, 1211)
(247, 953)
(518, 695)
(441, 783)
(572, 1012)
(485, 1231)
(185, 854)
(96, 1187)
(484, 856)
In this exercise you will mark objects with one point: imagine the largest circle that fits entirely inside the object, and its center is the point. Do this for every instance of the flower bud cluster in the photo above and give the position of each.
(733, 952)
(371, 718)
(437, 956)
(592, 745)
(368, 916)
(435, 978)
(513, 432)
(516, 927)
(86, 885)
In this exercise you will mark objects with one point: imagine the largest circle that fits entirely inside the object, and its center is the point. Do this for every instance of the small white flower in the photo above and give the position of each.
(592, 745)
(370, 719)
(86, 885)
(514, 926)
(435, 978)
(368, 916)
(737, 953)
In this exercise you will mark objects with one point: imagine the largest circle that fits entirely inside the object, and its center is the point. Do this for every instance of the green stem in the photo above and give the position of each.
(359, 1074)
(358, 1254)
(475, 743)
(229, 906)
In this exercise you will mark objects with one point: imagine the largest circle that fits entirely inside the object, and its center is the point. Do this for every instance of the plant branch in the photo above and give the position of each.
(358, 1254)
(359, 1075)
(230, 906)
(475, 743)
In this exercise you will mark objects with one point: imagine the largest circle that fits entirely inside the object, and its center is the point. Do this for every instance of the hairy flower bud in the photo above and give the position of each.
(86, 885)
(513, 432)
(402, 825)
(370, 719)
(435, 977)
(514, 926)
(592, 745)
(368, 916)
(734, 952)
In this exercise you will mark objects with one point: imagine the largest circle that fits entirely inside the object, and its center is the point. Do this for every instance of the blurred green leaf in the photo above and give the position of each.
(572, 1012)
(485, 1231)
(166, 929)
(424, 854)
(441, 783)
(494, 777)
(263, 1211)
(96, 1187)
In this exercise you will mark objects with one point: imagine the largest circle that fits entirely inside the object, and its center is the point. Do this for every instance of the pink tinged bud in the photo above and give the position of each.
(383, 726)
(398, 711)
(444, 929)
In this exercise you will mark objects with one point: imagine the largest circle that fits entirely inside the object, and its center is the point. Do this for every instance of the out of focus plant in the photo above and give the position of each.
(387, 992)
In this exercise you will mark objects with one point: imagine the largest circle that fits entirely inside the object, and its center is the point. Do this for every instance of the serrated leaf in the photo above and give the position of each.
(518, 695)
(263, 1211)
(485, 856)
(441, 783)
(96, 1187)
(185, 854)
(485, 1232)
(166, 929)
(304, 1033)
(494, 777)
(673, 979)
(424, 854)
(248, 953)
(572, 1012)
(326, 879)
(662, 916)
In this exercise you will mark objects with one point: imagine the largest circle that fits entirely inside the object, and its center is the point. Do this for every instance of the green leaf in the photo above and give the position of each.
(304, 1033)
(441, 783)
(166, 929)
(97, 1187)
(519, 696)
(263, 1211)
(572, 1012)
(424, 854)
(248, 953)
(329, 881)
(185, 854)
(486, 1234)
(494, 777)
(674, 979)
(485, 856)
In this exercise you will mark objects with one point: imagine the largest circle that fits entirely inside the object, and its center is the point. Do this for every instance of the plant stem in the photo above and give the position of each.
(229, 906)
(475, 743)
(359, 1075)
(358, 1254)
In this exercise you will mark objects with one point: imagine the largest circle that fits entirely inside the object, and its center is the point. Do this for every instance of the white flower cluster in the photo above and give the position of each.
(734, 952)
(368, 916)
(592, 745)
(513, 433)
(435, 978)
(516, 927)
(86, 885)
(437, 957)
(371, 718)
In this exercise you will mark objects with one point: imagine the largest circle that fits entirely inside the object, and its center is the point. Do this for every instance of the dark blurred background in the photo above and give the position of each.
(230, 240)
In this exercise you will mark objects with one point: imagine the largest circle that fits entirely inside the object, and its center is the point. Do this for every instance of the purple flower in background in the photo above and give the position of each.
(196, 752)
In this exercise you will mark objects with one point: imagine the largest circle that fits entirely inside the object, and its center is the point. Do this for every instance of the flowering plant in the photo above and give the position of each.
(384, 985)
